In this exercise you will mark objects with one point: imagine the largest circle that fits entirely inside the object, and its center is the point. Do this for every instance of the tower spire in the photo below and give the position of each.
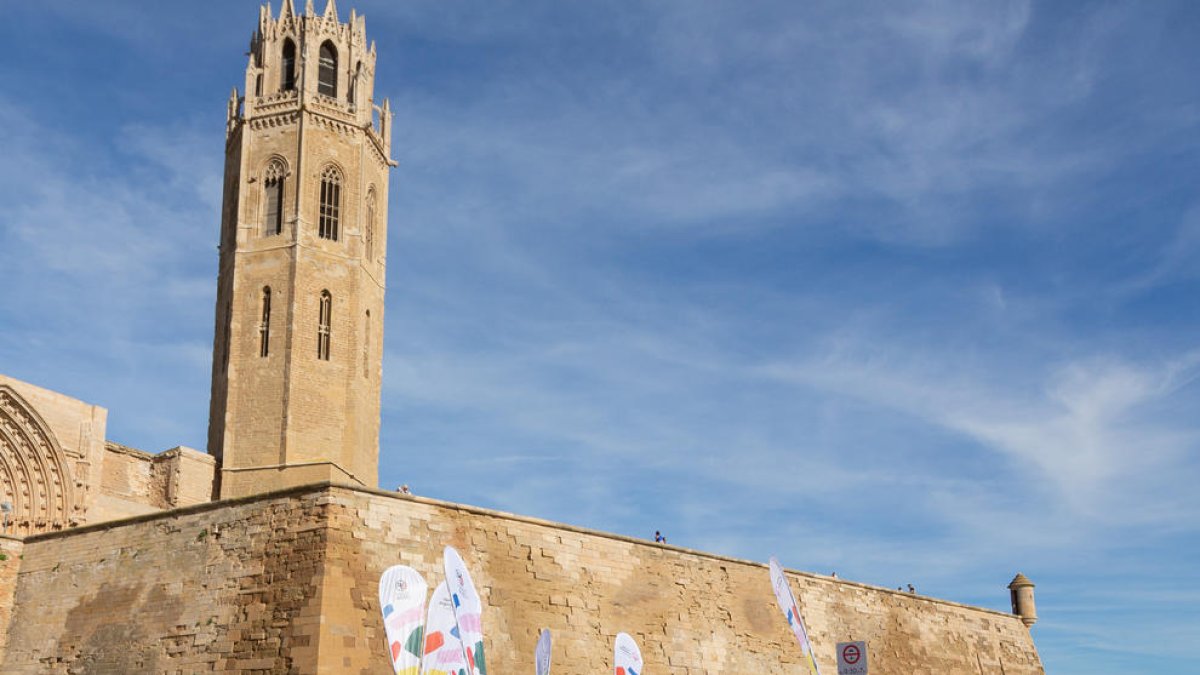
(287, 10)
(331, 11)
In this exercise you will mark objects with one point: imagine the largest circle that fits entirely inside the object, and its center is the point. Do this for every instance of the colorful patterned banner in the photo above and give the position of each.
(787, 603)
(402, 600)
(443, 649)
(627, 658)
(468, 610)
(541, 655)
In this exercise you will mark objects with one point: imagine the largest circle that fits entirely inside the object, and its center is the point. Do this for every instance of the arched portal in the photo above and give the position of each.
(34, 475)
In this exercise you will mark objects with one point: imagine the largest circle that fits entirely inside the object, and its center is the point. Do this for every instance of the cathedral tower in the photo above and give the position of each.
(299, 317)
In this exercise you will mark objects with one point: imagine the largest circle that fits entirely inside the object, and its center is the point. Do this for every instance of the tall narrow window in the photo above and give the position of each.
(264, 326)
(258, 85)
(350, 91)
(325, 320)
(287, 76)
(225, 337)
(367, 345)
(327, 72)
(331, 199)
(273, 198)
(369, 227)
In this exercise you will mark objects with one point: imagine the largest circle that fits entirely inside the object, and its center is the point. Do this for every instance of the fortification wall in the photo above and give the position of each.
(287, 583)
(690, 612)
(227, 587)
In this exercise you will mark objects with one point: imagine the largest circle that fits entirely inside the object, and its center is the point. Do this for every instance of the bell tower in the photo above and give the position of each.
(298, 343)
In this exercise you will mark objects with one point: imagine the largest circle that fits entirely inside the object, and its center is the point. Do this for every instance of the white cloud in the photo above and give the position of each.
(1089, 432)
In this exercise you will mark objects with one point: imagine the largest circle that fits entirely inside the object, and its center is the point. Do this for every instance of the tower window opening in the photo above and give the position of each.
(369, 227)
(287, 79)
(353, 88)
(264, 326)
(258, 85)
(327, 70)
(273, 198)
(325, 319)
(331, 199)
(225, 333)
(366, 359)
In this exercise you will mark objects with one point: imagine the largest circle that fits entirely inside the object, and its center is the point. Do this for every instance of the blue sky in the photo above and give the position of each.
(905, 290)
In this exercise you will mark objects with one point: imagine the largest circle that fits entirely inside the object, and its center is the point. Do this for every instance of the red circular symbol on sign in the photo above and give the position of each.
(850, 654)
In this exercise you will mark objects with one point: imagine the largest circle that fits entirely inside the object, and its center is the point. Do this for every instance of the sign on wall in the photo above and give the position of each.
(852, 658)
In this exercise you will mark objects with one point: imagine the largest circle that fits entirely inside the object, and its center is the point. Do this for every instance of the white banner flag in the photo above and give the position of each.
(468, 610)
(402, 601)
(787, 602)
(627, 658)
(541, 655)
(443, 649)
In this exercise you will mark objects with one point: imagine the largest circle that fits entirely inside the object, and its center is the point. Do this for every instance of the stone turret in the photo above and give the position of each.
(1021, 591)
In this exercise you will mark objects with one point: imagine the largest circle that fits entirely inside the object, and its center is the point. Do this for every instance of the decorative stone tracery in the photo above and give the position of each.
(34, 475)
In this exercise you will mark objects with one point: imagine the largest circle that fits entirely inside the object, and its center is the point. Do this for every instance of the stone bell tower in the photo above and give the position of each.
(299, 317)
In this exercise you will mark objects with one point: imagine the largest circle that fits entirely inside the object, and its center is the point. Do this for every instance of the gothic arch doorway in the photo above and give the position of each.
(34, 474)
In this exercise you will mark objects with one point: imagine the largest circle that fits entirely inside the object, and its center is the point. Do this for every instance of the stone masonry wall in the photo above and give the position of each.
(10, 565)
(288, 583)
(128, 475)
(230, 587)
(690, 612)
(188, 476)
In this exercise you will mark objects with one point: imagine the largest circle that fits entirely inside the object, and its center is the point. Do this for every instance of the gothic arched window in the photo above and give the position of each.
(324, 325)
(264, 326)
(350, 90)
(327, 72)
(331, 201)
(369, 227)
(273, 198)
(287, 77)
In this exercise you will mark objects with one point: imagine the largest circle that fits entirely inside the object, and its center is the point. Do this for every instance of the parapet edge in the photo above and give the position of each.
(332, 486)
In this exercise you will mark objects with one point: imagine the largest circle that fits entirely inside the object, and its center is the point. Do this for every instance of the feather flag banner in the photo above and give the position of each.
(541, 654)
(787, 603)
(402, 601)
(468, 610)
(443, 649)
(627, 658)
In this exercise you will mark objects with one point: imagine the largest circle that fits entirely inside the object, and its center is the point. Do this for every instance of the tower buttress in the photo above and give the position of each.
(298, 337)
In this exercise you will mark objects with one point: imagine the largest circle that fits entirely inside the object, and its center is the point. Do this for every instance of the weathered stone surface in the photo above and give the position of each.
(287, 583)
(10, 565)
